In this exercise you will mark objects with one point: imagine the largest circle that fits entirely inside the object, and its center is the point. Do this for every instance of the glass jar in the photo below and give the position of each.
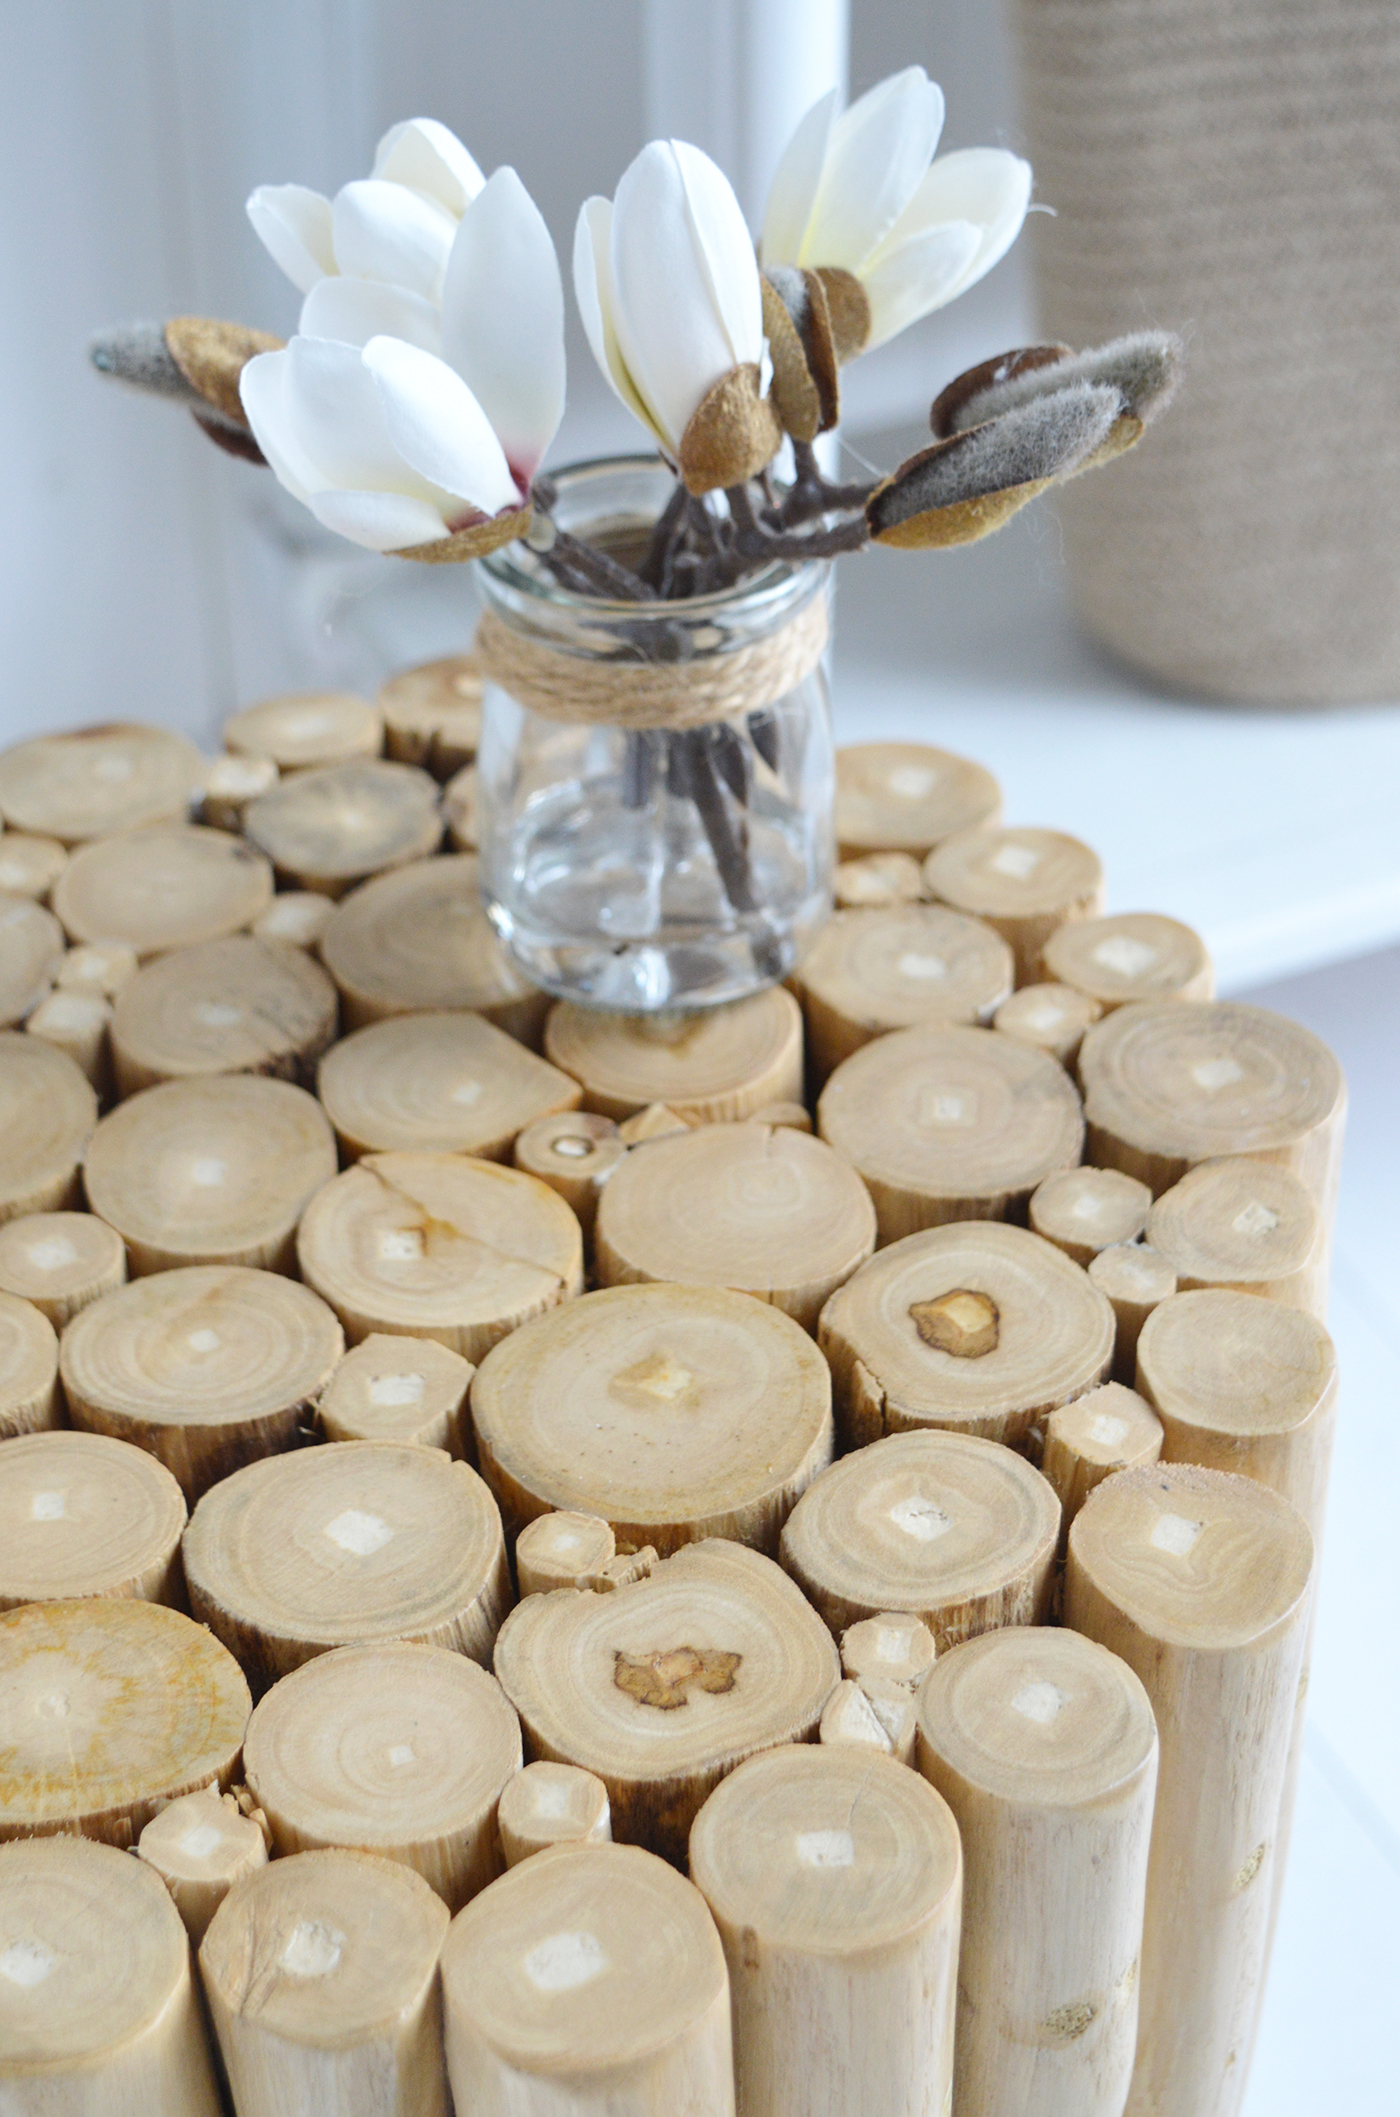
(650, 867)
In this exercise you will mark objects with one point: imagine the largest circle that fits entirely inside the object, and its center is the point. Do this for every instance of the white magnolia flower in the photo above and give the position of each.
(860, 193)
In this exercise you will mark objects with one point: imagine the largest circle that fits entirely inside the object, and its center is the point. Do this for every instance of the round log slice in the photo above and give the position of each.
(60, 1261)
(97, 781)
(31, 949)
(907, 797)
(48, 1112)
(1243, 1224)
(84, 1515)
(1024, 881)
(327, 830)
(166, 887)
(868, 972)
(432, 714)
(200, 1846)
(437, 1083)
(30, 866)
(29, 1399)
(1052, 1018)
(1134, 955)
(234, 1006)
(303, 729)
(1084, 1210)
(399, 1389)
(713, 1067)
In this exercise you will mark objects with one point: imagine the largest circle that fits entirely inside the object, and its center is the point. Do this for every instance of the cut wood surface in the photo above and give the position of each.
(957, 1531)
(328, 829)
(1171, 1084)
(437, 1084)
(1044, 1747)
(1249, 1225)
(321, 1978)
(200, 1846)
(418, 939)
(432, 714)
(439, 1246)
(234, 1006)
(891, 1647)
(867, 972)
(77, 1024)
(299, 916)
(165, 887)
(31, 949)
(388, 1748)
(552, 1804)
(1050, 1017)
(84, 1515)
(460, 809)
(673, 1412)
(98, 2012)
(338, 1546)
(835, 1878)
(950, 1124)
(48, 1112)
(97, 781)
(30, 866)
(209, 1171)
(207, 1368)
(907, 797)
(663, 1686)
(574, 1152)
(877, 880)
(1025, 882)
(1110, 1429)
(1132, 955)
(60, 1261)
(976, 1327)
(29, 1398)
(1135, 1278)
(303, 729)
(230, 783)
(1201, 1583)
(656, 1121)
(588, 1980)
(716, 1066)
(109, 1708)
(99, 967)
(399, 1389)
(1083, 1211)
(872, 1714)
(563, 1550)
(765, 1211)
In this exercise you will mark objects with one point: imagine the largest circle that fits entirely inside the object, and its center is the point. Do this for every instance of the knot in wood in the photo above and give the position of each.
(963, 1323)
(665, 1679)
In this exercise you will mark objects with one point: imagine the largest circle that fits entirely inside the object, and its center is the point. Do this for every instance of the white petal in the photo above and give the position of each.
(335, 413)
(356, 310)
(593, 291)
(385, 231)
(985, 185)
(263, 387)
(503, 320)
(294, 224)
(795, 185)
(383, 521)
(436, 425)
(919, 275)
(726, 250)
(880, 149)
(429, 157)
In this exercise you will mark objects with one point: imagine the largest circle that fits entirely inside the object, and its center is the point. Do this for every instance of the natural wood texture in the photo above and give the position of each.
(1135, 1278)
(1200, 1582)
(957, 1531)
(1083, 1211)
(574, 1152)
(417, 939)
(950, 1124)
(1168, 1085)
(209, 1171)
(399, 1389)
(1132, 955)
(84, 1515)
(298, 916)
(1044, 1747)
(835, 1878)
(901, 1357)
(340, 1546)
(877, 880)
(765, 1211)
(47, 1115)
(321, 1978)
(795, 1114)
(871, 971)
(663, 1686)
(439, 1246)
(31, 949)
(200, 1846)
(97, 781)
(1244, 1224)
(29, 1398)
(1049, 1017)
(207, 1368)
(1023, 881)
(907, 797)
(230, 783)
(303, 729)
(329, 829)
(77, 1024)
(460, 798)
(109, 1708)
(588, 1981)
(437, 1084)
(552, 1804)
(656, 1121)
(234, 1006)
(98, 2012)
(890, 1647)
(166, 887)
(30, 866)
(563, 1550)
(872, 1714)
(100, 968)
(432, 714)
(1110, 1429)
(393, 1749)
(60, 1262)
(672, 1412)
(716, 1066)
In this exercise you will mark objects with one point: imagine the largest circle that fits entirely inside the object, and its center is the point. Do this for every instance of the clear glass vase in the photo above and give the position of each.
(652, 868)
